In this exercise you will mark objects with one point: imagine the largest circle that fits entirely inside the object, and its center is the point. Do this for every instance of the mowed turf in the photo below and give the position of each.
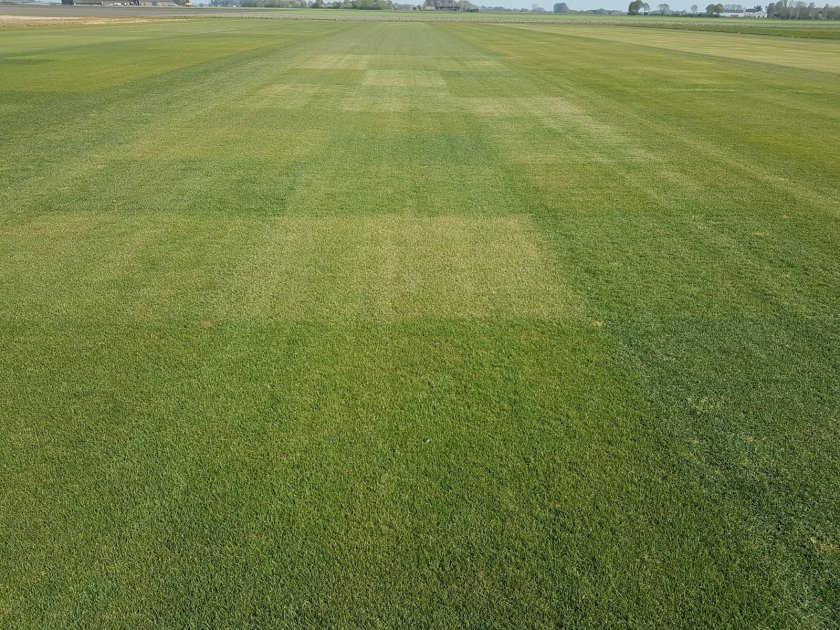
(315, 324)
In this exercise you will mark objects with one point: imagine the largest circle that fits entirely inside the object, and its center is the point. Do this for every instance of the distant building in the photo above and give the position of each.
(450, 5)
(142, 3)
(107, 3)
(749, 13)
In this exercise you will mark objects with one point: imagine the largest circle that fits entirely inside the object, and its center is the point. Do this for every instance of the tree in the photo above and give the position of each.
(561, 7)
(664, 9)
(694, 8)
(645, 7)
(714, 10)
(635, 7)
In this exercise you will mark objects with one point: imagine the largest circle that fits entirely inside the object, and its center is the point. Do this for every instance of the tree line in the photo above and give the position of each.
(785, 10)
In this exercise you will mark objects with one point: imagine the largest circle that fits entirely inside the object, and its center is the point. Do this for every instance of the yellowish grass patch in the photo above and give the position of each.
(403, 78)
(553, 138)
(387, 268)
(439, 63)
(336, 62)
(398, 99)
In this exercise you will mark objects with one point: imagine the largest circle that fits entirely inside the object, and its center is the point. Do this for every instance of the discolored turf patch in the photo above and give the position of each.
(551, 129)
(336, 62)
(415, 78)
(399, 98)
(551, 138)
(440, 63)
(390, 268)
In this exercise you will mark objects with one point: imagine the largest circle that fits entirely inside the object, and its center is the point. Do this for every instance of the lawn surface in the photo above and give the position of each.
(360, 324)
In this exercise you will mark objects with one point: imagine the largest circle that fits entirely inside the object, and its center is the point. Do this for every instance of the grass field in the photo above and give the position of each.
(381, 324)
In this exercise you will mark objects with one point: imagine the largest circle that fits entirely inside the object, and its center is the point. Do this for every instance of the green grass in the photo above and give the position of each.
(750, 27)
(310, 324)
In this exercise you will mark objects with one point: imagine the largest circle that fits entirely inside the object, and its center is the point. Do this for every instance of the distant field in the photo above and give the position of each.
(30, 15)
(743, 26)
(415, 324)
